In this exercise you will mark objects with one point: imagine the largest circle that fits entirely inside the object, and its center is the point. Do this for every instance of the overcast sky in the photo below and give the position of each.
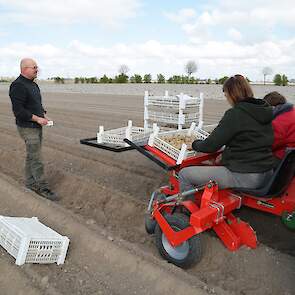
(90, 38)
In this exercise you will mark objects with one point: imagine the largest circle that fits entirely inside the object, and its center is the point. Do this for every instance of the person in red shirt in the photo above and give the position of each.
(283, 123)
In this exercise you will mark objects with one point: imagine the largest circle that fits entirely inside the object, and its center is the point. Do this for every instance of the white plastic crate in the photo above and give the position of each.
(157, 140)
(30, 241)
(174, 101)
(176, 111)
(116, 136)
(169, 118)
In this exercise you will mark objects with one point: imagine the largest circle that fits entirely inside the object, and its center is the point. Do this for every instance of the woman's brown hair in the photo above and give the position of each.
(274, 98)
(238, 88)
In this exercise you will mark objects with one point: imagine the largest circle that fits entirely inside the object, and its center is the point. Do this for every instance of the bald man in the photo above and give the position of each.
(30, 117)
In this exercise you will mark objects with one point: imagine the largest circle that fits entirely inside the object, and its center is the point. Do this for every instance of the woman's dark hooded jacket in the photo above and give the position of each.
(246, 132)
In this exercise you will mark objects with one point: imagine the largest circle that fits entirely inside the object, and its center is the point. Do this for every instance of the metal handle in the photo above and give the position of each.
(150, 156)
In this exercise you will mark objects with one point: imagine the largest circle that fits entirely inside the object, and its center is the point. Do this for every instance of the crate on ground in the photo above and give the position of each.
(116, 136)
(176, 112)
(30, 241)
(162, 141)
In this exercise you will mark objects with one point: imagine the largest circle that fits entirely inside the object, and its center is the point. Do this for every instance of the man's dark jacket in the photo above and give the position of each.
(26, 101)
(246, 132)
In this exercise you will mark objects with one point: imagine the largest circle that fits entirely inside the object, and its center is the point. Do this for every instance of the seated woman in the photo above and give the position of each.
(283, 123)
(246, 132)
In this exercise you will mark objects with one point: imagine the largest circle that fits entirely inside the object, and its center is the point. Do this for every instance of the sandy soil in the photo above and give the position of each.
(104, 196)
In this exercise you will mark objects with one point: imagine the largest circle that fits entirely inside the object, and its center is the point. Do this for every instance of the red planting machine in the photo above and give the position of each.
(178, 219)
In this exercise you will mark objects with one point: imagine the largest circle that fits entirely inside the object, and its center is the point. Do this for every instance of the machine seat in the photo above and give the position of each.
(279, 181)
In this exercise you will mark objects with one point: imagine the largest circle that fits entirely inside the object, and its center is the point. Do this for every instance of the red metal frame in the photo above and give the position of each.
(212, 208)
(276, 206)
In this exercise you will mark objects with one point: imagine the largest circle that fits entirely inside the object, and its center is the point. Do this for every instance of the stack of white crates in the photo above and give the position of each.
(29, 241)
(176, 112)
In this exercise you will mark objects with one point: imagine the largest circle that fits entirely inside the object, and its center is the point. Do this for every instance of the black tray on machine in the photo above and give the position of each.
(110, 147)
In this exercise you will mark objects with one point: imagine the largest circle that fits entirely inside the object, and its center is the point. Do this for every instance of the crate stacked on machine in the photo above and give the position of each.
(30, 241)
(177, 143)
(115, 137)
(176, 112)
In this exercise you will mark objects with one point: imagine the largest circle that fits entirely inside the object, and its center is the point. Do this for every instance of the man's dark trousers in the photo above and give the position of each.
(34, 171)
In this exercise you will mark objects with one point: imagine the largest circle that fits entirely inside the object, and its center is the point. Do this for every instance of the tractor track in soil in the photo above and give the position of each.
(108, 192)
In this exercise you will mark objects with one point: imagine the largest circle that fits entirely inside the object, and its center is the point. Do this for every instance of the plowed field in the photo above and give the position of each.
(103, 199)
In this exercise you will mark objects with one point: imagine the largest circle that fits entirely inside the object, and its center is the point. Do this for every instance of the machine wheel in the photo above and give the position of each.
(289, 220)
(149, 222)
(185, 255)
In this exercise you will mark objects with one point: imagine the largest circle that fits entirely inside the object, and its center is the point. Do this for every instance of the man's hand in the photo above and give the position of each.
(46, 117)
(41, 121)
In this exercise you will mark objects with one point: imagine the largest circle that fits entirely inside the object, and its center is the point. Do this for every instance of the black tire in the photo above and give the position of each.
(185, 255)
(149, 222)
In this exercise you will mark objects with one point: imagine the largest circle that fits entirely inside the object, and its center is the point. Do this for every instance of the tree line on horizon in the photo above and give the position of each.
(190, 68)
(278, 79)
(147, 78)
